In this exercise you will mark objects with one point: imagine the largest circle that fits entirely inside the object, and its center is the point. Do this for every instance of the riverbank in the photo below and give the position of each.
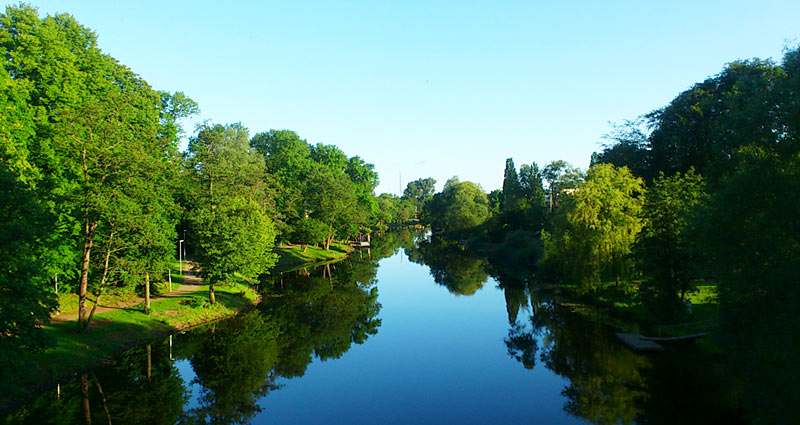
(114, 331)
(293, 255)
(624, 305)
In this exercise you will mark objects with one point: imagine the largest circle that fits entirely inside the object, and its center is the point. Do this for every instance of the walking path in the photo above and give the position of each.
(191, 283)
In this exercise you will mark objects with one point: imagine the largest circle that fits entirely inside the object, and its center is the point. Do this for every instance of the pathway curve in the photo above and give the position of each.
(191, 283)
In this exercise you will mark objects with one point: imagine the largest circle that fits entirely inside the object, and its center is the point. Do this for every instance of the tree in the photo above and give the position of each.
(309, 231)
(630, 148)
(495, 199)
(25, 221)
(109, 142)
(512, 190)
(532, 187)
(560, 175)
(235, 237)
(459, 207)
(419, 191)
(287, 159)
(332, 199)
(752, 238)
(705, 125)
(665, 247)
(232, 231)
(594, 229)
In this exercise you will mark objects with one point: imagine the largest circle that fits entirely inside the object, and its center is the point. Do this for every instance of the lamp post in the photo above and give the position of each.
(180, 256)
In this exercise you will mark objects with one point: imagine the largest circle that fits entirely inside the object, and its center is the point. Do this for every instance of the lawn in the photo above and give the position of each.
(113, 331)
(293, 254)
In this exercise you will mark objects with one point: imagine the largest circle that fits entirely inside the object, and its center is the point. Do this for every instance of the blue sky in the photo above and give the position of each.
(435, 89)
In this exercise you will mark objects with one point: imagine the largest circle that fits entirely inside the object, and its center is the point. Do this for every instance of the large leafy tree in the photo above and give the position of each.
(666, 247)
(232, 230)
(595, 227)
(753, 238)
(332, 199)
(25, 284)
(419, 191)
(459, 207)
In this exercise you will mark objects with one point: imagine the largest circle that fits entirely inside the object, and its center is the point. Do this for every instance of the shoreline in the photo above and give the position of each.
(115, 331)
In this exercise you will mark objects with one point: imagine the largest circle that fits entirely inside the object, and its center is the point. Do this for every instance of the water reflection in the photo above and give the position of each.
(135, 388)
(450, 267)
(226, 372)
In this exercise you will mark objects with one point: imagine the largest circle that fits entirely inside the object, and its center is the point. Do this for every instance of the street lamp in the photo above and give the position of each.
(180, 257)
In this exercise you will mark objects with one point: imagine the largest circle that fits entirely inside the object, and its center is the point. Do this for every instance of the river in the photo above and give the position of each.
(409, 332)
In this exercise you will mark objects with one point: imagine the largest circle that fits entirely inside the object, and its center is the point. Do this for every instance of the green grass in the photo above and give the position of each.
(68, 302)
(116, 330)
(294, 255)
(627, 312)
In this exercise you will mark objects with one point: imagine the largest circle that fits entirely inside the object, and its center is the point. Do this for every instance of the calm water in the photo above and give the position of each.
(404, 333)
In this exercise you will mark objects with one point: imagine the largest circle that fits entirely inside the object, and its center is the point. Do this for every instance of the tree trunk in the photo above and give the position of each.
(102, 397)
(305, 247)
(87, 414)
(147, 292)
(94, 307)
(211, 298)
(102, 282)
(149, 362)
(88, 241)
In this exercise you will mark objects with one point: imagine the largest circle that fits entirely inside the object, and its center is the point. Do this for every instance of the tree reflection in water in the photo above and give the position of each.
(609, 384)
(450, 266)
(320, 312)
(236, 361)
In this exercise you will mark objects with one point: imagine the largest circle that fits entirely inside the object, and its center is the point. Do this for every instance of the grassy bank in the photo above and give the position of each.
(114, 331)
(627, 310)
(292, 255)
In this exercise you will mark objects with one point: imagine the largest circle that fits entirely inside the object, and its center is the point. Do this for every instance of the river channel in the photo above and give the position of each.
(408, 332)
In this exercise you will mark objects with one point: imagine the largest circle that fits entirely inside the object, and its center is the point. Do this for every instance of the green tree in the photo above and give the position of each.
(459, 207)
(332, 199)
(752, 238)
(232, 231)
(532, 187)
(665, 247)
(309, 231)
(512, 190)
(595, 227)
(235, 237)
(560, 176)
(25, 278)
(630, 148)
(419, 191)
(703, 126)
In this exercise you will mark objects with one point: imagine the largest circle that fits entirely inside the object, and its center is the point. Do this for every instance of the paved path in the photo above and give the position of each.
(191, 283)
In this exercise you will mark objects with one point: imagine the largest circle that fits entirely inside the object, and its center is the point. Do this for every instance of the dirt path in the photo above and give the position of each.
(191, 283)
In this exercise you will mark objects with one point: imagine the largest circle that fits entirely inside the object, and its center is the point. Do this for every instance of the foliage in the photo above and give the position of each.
(630, 148)
(459, 207)
(752, 238)
(595, 227)
(236, 237)
(419, 191)
(666, 246)
(309, 231)
(450, 267)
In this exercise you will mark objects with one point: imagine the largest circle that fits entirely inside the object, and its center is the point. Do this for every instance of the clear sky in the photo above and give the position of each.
(435, 88)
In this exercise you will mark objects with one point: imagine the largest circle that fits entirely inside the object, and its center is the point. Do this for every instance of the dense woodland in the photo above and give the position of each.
(95, 193)
(705, 189)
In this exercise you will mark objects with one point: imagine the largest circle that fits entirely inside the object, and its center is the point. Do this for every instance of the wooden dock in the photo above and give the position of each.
(637, 342)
